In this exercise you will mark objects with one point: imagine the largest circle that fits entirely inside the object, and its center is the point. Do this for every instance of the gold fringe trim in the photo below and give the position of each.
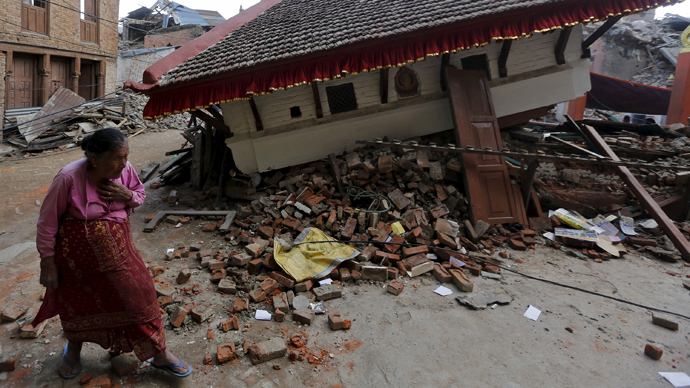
(591, 19)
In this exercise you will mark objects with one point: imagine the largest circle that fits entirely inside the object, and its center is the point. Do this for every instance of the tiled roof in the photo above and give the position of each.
(294, 28)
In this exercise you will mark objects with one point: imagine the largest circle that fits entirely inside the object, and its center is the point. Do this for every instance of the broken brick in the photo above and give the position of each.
(461, 281)
(304, 316)
(394, 287)
(335, 322)
(226, 352)
(283, 280)
(653, 352)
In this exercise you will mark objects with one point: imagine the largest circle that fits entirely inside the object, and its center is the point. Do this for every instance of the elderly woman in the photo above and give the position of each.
(95, 279)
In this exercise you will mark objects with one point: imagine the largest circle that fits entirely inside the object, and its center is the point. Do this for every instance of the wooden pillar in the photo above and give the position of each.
(75, 73)
(679, 107)
(44, 72)
(100, 79)
(576, 108)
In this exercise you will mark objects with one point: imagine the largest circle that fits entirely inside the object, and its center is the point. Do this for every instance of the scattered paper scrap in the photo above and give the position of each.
(550, 236)
(443, 291)
(607, 227)
(170, 250)
(605, 242)
(262, 315)
(573, 220)
(678, 379)
(456, 262)
(585, 235)
(628, 226)
(532, 313)
(649, 224)
(325, 282)
(398, 228)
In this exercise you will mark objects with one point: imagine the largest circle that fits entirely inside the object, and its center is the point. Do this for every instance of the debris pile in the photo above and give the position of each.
(67, 118)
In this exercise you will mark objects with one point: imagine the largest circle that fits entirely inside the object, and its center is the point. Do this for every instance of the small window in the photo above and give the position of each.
(476, 62)
(35, 16)
(341, 98)
(295, 112)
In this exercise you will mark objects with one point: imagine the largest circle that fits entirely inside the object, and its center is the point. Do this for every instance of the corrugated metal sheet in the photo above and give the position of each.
(62, 99)
(188, 15)
(213, 18)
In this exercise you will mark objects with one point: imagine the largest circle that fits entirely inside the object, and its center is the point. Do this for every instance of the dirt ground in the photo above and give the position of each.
(416, 339)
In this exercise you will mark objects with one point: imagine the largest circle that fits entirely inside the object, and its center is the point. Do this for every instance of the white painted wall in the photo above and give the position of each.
(132, 68)
(534, 80)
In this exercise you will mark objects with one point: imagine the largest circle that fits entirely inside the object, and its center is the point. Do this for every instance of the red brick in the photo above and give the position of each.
(469, 231)
(415, 250)
(177, 317)
(349, 228)
(517, 245)
(9, 360)
(257, 295)
(254, 266)
(216, 264)
(394, 287)
(392, 248)
(279, 315)
(226, 353)
(156, 270)
(385, 164)
(210, 227)
(414, 261)
(441, 274)
(265, 232)
(375, 273)
(101, 381)
(447, 241)
(392, 273)
(461, 281)
(653, 352)
(240, 304)
(335, 322)
(268, 286)
(218, 275)
(282, 279)
(304, 286)
(344, 274)
(124, 364)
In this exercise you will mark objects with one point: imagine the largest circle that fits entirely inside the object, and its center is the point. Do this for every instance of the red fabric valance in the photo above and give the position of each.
(181, 99)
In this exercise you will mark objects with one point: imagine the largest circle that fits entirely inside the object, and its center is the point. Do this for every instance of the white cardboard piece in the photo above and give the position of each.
(325, 282)
(678, 379)
(532, 313)
(443, 291)
(262, 315)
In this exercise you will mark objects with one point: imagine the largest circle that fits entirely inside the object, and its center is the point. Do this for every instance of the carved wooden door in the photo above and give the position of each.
(487, 183)
(21, 82)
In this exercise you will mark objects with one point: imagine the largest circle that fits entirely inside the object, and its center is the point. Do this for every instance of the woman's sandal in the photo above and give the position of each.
(168, 368)
(71, 365)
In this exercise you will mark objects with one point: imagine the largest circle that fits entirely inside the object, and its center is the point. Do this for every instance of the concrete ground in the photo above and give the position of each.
(416, 339)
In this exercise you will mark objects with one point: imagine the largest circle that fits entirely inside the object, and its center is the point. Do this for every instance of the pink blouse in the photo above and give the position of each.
(72, 191)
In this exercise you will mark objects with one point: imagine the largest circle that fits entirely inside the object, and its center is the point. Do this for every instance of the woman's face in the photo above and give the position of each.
(111, 163)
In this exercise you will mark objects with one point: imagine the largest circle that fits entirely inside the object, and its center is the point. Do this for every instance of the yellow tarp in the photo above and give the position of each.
(312, 261)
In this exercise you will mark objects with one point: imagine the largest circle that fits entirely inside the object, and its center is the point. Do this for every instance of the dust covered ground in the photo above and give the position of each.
(416, 339)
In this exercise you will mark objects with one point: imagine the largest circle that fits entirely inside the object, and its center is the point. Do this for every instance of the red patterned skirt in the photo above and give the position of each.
(105, 294)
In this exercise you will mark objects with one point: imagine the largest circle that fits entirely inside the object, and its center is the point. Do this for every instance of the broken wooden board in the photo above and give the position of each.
(229, 217)
(60, 101)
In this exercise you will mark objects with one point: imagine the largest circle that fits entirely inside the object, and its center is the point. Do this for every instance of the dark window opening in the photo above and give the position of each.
(295, 112)
(476, 62)
(341, 98)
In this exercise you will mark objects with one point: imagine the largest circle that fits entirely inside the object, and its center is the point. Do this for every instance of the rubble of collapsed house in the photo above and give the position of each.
(396, 212)
(639, 50)
(67, 118)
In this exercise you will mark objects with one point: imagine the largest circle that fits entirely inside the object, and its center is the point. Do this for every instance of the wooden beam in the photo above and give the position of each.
(257, 117)
(503, 58)
(561, 45)
(214, 110)
(317, 99)
(445, 60)
(211, 121)
(383, 85)
(597, 34)
(641, 194)
(528, 182)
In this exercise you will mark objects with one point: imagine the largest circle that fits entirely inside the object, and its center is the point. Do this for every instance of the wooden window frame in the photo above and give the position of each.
(89, 30)
(28, 8)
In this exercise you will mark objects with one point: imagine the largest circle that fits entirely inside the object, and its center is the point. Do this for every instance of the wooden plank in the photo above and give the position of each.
(317, 99)
(577, 147)
(445, 60)
(383, 85)
(257, 116)
(641, 194)
(586, 53)
(336, 170)
(181, 150)
(211, 121)
(503, 58)
(562, 44)
(528, 182)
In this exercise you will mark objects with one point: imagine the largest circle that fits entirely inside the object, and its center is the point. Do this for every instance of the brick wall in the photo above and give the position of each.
(64, 25)
(111, 83)
(172, 36)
